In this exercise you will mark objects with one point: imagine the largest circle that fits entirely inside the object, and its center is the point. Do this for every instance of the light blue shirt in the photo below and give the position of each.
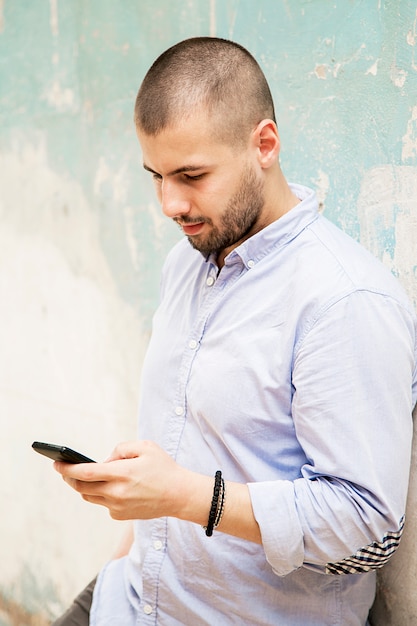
(293, 370)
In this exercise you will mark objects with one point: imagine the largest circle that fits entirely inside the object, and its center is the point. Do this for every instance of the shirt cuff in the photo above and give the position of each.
(273, 504)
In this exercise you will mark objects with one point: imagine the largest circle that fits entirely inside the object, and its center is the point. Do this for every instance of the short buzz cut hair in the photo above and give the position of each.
(214, 75)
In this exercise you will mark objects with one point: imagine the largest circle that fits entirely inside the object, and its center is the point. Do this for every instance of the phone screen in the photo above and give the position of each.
(60, 453)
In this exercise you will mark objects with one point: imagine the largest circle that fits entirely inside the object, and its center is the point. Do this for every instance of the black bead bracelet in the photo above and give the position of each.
(217, 504)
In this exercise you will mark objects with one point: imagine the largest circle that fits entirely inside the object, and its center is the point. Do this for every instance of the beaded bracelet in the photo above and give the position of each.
(217, 504)
(220, 507)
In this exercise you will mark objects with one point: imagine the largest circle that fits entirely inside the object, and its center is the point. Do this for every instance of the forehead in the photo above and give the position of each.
(190, 142)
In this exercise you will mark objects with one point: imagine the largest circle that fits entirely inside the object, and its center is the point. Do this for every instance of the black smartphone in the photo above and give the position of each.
(60, 453)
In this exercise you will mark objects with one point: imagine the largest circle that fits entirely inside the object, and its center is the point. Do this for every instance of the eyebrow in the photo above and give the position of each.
(179, 170)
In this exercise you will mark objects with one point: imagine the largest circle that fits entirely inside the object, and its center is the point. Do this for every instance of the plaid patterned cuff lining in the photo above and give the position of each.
(373, 556)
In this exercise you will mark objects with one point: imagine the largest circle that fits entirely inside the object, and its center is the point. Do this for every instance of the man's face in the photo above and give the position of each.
(214, 193)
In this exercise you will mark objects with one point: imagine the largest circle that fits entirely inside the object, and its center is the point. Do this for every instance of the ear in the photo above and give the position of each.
(267, 143)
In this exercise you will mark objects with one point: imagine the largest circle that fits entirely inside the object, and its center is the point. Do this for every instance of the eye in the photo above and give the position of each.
(197, 177)
(156, 177)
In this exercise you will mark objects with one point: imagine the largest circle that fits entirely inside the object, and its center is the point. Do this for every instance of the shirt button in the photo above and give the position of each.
(251, 263)
(193, 344)
(210, 281)
(147, 609)
(179, 410)
(157, 545)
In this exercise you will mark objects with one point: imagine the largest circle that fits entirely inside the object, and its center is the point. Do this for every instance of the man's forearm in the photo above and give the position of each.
(237, 519)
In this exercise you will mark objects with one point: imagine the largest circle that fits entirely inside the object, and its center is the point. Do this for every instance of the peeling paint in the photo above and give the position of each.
(212, 10)
(111, 182)
(412, 34)
(409, 140)
(412, 40)
(321, 71)
(387, 214)
(60, 98)
(398, 76)
(102, 175)
(131, 239)
(373, 69)
(53, 20)
(322, 187)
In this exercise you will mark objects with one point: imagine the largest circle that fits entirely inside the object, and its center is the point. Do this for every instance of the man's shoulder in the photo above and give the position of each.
(353, 267)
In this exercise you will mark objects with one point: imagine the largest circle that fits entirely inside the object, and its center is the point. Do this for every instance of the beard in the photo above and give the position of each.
(239, 218)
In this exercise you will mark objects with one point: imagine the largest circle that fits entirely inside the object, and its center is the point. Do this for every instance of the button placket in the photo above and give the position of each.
(171, 442)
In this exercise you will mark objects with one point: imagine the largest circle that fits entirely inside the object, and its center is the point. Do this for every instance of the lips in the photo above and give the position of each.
(192, 229)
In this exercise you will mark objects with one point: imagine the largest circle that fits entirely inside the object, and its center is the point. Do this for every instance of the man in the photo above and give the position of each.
(282, 363)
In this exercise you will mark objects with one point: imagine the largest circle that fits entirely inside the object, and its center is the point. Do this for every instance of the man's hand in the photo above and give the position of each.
(138, 481)
(141, 481)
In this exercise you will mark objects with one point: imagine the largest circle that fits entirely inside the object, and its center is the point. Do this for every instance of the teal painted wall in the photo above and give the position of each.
(82, 239)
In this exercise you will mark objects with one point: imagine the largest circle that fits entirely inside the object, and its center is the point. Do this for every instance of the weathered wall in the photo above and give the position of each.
(82, 238)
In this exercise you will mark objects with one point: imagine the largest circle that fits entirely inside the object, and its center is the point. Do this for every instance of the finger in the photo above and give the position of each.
(86, 472)
(94, 499)
(84, 488)
(116, 512)
(125, 450)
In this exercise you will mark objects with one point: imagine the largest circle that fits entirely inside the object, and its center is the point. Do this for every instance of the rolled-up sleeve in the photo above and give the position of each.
(352, 378)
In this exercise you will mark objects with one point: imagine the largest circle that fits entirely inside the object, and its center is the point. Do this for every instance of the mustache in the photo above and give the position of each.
(185, 219)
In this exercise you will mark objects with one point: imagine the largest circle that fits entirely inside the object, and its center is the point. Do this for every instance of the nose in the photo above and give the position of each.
(173, 199)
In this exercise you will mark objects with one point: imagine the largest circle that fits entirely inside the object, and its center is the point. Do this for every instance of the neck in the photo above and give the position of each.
(279, 197)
